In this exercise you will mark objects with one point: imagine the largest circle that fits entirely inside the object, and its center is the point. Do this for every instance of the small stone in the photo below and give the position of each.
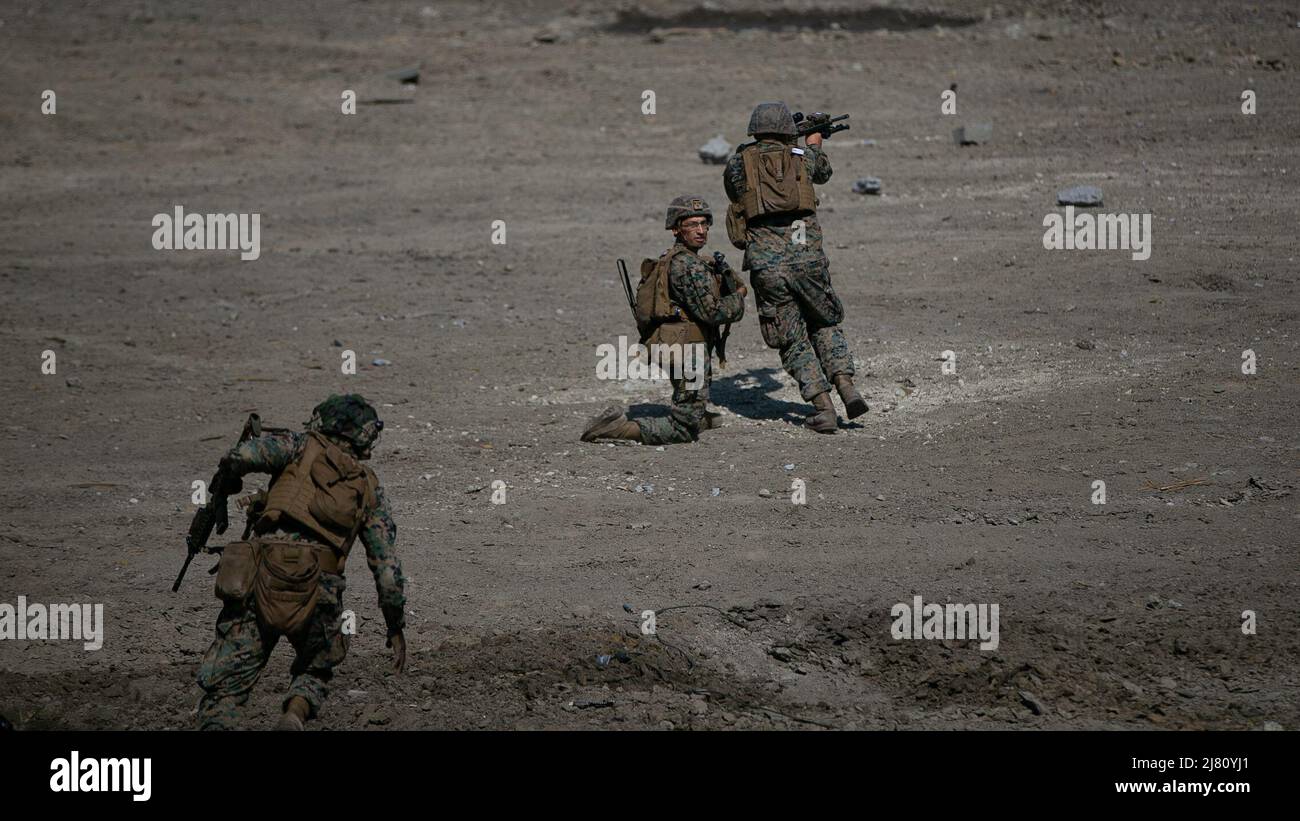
(867, 185)
(1083, 195)
(974, 134)
(379, 363)
(72, 382)
(765, 493)
(703, 585)
(781, 653)
(789, 466)
(1273, 726)
(1085, 344)
(717, 491)
(406, 76)
(1032, 702)
(715, 151)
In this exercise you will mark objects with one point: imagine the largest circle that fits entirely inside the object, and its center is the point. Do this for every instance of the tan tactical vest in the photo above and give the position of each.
(670, 322)
(776, 181)
(326, 491)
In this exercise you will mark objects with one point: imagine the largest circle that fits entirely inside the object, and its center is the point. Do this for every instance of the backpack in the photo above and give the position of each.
(776, 181)
(653, 305)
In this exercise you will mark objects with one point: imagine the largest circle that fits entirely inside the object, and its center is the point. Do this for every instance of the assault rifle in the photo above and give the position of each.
(819, 123)
(628, 290)
(815, 123)
(720, 270)
(213, 516)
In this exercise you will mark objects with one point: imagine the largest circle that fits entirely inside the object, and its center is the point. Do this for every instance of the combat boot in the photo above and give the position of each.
(854, 404)
(825, 420)
(295, 714)
(612, 424)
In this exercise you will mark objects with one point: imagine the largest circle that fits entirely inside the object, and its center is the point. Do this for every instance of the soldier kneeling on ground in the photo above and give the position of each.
(681, 302)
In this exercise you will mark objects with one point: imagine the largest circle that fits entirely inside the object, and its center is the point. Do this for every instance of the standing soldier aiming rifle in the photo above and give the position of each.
(287, 580)
(681, 301)
(773, 217)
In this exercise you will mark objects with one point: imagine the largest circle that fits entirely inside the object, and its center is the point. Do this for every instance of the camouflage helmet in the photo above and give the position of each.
(686, 206)
(349, 417)
(772, 118)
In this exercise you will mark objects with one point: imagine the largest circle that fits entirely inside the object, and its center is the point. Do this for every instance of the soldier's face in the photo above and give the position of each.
(693, 232)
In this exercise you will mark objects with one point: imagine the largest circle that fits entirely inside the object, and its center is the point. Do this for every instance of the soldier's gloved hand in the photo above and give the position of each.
(230, 481)
(397, 641)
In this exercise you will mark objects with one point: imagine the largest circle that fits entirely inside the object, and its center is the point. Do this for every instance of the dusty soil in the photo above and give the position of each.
(1072, 366)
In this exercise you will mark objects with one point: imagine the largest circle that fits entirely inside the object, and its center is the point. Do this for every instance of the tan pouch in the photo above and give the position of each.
(776, 181)
(737, 225)
(287, 585)
(236, 570)
(684, 332)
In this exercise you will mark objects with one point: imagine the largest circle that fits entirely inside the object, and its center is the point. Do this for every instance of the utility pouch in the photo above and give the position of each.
(235, 572)
(816, 296)
(737, 225)
(287, 585)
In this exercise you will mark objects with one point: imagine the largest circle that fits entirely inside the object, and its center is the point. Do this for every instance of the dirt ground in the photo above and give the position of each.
(1071, 366)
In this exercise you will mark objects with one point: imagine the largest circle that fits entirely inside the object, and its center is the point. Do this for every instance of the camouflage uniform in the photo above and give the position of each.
(798, 311)
(243, 645)
(690, 280)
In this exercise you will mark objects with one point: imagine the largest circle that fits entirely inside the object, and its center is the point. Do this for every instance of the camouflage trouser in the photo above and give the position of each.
(242, 647)
(799, 314)
(686, 417)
